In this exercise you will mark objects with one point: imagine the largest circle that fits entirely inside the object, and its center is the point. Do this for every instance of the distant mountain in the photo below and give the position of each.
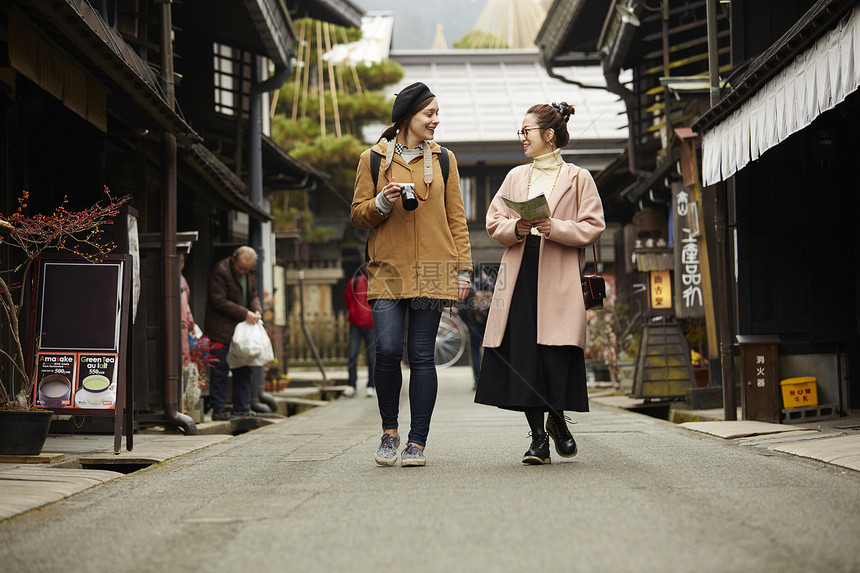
(415, 22)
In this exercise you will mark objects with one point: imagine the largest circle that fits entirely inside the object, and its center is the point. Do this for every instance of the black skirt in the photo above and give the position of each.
(521, 374)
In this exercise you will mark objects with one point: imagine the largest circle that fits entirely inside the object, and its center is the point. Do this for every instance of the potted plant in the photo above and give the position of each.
(23, 426)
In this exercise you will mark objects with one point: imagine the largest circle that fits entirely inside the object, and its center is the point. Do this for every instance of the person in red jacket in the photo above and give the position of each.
(360, 328)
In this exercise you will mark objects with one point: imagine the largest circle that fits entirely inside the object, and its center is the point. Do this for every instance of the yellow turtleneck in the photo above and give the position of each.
(545, 172)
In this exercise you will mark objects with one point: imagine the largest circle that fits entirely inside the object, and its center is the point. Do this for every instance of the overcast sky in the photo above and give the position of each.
(415, 22)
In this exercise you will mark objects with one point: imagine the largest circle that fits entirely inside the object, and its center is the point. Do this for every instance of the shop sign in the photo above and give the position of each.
(79, 342)
(660, 288)
(688, 241)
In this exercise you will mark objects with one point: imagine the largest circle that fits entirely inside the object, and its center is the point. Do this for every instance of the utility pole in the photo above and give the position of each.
(713, 57)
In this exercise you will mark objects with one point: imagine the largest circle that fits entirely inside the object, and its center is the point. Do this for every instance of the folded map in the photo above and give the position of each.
(534, 208)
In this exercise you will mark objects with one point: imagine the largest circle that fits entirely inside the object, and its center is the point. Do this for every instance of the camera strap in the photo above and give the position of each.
(428, 165)
(376, 163)
(389, 155)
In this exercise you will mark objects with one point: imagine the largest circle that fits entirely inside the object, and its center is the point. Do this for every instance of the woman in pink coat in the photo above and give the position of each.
(533, 358)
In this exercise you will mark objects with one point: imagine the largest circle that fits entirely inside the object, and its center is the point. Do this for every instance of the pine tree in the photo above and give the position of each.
(321, 112)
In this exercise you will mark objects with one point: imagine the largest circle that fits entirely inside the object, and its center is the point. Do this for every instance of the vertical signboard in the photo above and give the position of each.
(81, 320)
(79, 316)
(134, 251)
(688, 240)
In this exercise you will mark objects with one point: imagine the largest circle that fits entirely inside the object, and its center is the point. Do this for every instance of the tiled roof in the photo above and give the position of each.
(484, 94)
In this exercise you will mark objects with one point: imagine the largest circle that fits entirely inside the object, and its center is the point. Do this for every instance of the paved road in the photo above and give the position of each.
(305, 495)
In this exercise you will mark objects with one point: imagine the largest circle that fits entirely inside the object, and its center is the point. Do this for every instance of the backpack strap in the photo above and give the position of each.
(444, 165)
(376, 163)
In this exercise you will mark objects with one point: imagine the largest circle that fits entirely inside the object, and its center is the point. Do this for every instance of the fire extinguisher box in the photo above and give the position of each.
(759, 378)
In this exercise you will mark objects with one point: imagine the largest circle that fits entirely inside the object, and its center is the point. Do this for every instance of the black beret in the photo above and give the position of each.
(409, 97)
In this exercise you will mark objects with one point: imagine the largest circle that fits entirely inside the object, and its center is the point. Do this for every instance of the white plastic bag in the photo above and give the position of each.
(250, 346)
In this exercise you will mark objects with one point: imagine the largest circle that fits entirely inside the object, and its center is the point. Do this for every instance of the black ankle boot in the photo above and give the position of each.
(538, 453)
(565, 445)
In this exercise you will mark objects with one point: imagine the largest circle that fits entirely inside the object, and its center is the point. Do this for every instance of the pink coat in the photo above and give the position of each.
(577, 222)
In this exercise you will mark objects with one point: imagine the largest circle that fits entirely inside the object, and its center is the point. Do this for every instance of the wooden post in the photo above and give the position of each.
(713, 54)
(725, 334)
(306, 77)
(352, 65)
(299, 75)
(332, 83)
(666, 72)
(320, 83)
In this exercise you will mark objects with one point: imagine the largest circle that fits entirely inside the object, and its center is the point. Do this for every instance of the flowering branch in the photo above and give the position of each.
(78, 232)
(200, 354)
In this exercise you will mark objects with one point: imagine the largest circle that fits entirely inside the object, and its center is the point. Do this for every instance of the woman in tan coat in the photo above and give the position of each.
(419, 261)
(533, 358)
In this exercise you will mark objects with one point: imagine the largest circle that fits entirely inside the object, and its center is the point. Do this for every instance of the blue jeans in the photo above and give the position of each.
(218, 384)
(356, 335)
(389, 322)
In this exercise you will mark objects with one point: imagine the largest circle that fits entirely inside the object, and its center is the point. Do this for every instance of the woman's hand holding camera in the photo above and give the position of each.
(406, 191)
(391, 191)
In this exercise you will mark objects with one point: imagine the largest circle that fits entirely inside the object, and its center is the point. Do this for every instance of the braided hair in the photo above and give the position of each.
(553, 116)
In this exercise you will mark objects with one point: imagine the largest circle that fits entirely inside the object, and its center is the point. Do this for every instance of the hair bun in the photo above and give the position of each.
(564, 109)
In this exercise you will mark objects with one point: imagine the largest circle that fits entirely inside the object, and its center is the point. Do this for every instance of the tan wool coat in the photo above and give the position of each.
(576, 222)
(413, 253)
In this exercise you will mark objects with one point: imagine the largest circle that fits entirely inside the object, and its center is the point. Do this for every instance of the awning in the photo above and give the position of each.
(571, 28)
(290, 170)
(337, 12)
(224, 181)
(636, 190)
(816, 80)
(83, 34)
(262, 27)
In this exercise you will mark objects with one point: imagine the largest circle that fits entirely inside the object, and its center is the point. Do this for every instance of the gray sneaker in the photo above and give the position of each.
(412, 456)
(386, 455)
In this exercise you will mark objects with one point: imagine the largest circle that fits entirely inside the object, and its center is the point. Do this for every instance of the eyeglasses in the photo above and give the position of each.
(524, 132)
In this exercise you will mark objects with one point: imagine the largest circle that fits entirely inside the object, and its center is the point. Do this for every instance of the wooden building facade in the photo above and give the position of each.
(160, 101)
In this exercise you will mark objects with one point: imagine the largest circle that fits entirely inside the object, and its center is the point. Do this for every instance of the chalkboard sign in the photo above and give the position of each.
(80, 306)
(81, 335)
